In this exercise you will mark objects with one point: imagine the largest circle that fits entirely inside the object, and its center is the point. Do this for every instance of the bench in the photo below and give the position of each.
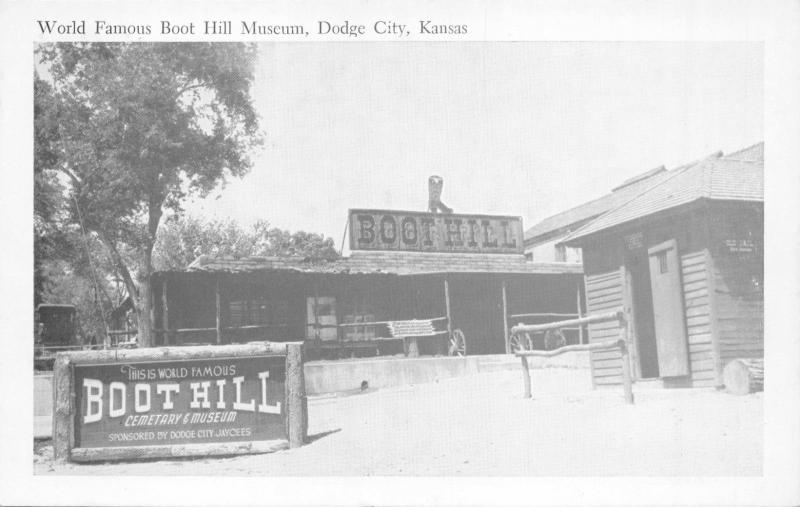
(410, 330)
(406, 331)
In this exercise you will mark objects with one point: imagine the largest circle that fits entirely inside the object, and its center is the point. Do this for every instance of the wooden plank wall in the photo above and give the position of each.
(604, 293)
(738, 281)
(697, 309)
(740, 319)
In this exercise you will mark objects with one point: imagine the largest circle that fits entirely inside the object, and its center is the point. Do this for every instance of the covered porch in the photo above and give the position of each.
(347, 309)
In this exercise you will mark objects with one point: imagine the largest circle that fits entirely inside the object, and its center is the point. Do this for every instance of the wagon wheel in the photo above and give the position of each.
(458, 344)
(519, 342)
(554, 339)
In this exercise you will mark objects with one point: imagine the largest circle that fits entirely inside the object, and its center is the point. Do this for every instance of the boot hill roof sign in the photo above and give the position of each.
(413, 231)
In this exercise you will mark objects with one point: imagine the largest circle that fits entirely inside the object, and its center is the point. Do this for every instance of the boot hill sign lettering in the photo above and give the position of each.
(434, 232)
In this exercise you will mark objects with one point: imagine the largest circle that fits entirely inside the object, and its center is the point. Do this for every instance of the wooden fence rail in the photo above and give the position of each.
(589, 319)
(621, 343)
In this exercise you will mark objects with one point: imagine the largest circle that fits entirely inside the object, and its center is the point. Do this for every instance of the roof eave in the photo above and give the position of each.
(583, 239)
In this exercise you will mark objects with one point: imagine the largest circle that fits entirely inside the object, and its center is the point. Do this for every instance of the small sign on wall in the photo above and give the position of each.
(740, 246)
(634, 241)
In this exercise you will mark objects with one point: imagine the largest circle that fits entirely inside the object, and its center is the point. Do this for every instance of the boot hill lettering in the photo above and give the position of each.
(433, 232)
(112, 400)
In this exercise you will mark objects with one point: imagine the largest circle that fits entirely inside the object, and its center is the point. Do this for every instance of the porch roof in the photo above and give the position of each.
(380, 262)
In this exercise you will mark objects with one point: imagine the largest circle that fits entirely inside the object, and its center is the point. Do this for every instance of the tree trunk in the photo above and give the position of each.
(133, 291)
(145, 302)
(146, 335)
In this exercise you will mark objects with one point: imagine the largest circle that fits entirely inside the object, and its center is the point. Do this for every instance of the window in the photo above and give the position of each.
(662, 262)
(258, 312)
(322, 318)
(358, 309)
(567, 254)
(561, 253)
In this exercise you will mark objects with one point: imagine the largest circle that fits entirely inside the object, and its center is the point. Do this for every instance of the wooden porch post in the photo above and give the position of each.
(580, 313)
(626, 361)
(219, 313)
(630, 316)
(505, 317)
(526, 377)
(164, 311)
(316, 315)
(447, 307)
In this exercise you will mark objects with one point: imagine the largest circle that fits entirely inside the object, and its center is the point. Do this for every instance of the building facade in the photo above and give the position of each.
(455, 272)
(684, 261)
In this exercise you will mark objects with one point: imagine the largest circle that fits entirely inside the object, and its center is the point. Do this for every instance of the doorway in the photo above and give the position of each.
(321, 320)
(668, 315)
(657, 307)
(477, 309)
(643, 320)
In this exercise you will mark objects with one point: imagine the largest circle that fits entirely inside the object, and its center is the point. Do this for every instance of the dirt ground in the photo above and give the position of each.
(481, 425)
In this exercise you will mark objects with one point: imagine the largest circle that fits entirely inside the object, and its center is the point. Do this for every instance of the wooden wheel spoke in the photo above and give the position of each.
(521, 342)
(554, 339)
(458, 344)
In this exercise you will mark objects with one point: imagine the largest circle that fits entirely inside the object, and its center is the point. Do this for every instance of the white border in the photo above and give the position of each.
(775, 23)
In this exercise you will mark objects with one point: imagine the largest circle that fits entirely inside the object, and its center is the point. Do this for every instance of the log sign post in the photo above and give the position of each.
(178, 401)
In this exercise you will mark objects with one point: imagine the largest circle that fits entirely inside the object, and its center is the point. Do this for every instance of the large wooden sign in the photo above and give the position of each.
(166, 402)
(434, 232)
(191, 401)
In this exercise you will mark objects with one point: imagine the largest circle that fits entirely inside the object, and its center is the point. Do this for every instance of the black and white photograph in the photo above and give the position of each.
(338, 248)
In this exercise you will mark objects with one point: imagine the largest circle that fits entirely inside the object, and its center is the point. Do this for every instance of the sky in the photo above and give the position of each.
(528, 129)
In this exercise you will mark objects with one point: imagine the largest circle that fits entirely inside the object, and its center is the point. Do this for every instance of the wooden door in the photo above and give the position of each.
(321, 318)
(665, 282)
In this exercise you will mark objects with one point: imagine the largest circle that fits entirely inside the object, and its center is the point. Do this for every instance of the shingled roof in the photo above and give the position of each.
(411, 263)
(396, 263)
(579, 215)
(735, 177)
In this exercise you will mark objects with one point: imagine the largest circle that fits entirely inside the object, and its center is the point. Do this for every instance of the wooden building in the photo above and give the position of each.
(347, 307)
(684, 260)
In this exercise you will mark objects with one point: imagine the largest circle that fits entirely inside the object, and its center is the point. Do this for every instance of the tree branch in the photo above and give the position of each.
(71, 175)
(154, 218)
(187, 88)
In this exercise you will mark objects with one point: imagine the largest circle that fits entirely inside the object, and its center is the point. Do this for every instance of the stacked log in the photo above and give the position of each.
(744, 376)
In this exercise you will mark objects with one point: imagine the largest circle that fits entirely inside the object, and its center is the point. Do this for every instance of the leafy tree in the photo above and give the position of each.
(309, 245)
(68, 286)
(138, 127)
(69, 268)
(182, 239)
(47, 191)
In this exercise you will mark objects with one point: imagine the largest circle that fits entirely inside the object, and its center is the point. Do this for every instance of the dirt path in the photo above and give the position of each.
(481, 425)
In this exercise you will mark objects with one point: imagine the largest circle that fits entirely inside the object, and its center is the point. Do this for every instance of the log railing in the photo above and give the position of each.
(621, 343)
